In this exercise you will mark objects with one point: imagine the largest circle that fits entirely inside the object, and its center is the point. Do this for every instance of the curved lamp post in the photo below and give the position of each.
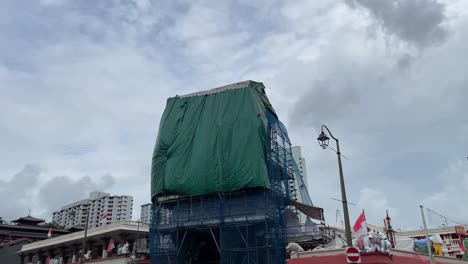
(323, 140)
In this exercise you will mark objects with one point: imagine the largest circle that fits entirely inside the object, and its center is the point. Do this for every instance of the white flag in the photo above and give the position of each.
(360, 227)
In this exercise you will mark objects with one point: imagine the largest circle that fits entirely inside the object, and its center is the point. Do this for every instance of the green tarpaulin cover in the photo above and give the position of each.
(465, 245)
(212, 141)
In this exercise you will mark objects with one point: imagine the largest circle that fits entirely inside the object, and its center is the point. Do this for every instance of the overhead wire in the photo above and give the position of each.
(337, 152)
(436, 221)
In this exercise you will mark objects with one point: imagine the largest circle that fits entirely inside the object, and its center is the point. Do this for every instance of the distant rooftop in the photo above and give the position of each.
(28, 220)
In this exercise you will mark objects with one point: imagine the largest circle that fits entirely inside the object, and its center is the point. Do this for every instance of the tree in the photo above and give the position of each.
(54, 225)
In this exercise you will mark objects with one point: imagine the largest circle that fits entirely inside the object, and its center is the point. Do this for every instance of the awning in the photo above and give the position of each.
(311, 211)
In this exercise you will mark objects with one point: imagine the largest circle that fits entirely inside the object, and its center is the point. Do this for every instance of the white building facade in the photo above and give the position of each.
(293, 183)
(146, 213)
(450, 237)
(118, 208)
(301, 162)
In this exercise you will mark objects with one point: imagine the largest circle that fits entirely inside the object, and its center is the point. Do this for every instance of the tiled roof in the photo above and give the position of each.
(29, 219)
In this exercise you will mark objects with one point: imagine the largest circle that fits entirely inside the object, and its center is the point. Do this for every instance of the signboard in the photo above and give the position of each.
(460, 230)
(353, 255)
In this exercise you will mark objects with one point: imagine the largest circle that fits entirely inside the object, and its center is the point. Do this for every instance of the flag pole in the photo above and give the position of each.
(365, 220)
(427, 234)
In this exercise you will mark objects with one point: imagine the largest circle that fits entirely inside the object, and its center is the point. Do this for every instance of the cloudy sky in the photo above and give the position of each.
(83, 85)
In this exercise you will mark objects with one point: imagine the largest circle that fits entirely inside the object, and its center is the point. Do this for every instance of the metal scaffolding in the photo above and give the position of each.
(245, 226)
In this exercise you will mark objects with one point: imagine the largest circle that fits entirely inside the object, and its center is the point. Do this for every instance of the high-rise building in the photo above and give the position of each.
(146, 213)
(294, 181)
(117, 207)
(300, 161)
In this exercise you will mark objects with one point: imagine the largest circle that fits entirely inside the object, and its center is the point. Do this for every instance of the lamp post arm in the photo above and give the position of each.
(329, 132)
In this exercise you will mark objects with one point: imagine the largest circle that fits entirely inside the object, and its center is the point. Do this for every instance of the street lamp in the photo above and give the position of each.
(85, 235)
(323, 140)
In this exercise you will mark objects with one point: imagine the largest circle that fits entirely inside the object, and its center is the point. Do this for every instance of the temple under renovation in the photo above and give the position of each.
(219, 184)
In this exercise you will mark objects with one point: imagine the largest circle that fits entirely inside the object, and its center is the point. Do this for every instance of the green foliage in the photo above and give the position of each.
(54, 225)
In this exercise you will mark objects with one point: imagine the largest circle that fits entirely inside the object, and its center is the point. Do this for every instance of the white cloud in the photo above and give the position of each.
(52, 2)
(449, 199)
(83, 88)
(33, 189)
(15, 193)
(375, 203)
(398, 17)
(201, 22)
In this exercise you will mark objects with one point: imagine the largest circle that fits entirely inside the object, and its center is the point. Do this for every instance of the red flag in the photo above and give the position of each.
(104, 219)
(360, 227)
(110, 246)
(49, 234)
(462, 246)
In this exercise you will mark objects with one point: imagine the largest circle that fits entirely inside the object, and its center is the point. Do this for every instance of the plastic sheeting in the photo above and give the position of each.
(296, 229)
(213, 141)
(293, 226)
(436, 239)
(311, 228)
(420, 245)
(310, 211)
(436, 243)
(404, 243)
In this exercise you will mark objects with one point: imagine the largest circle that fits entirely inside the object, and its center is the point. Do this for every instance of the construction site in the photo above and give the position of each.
(222, 169)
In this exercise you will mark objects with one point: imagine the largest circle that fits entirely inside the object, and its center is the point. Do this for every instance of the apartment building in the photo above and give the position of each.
(116, 208)
(146, 213)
